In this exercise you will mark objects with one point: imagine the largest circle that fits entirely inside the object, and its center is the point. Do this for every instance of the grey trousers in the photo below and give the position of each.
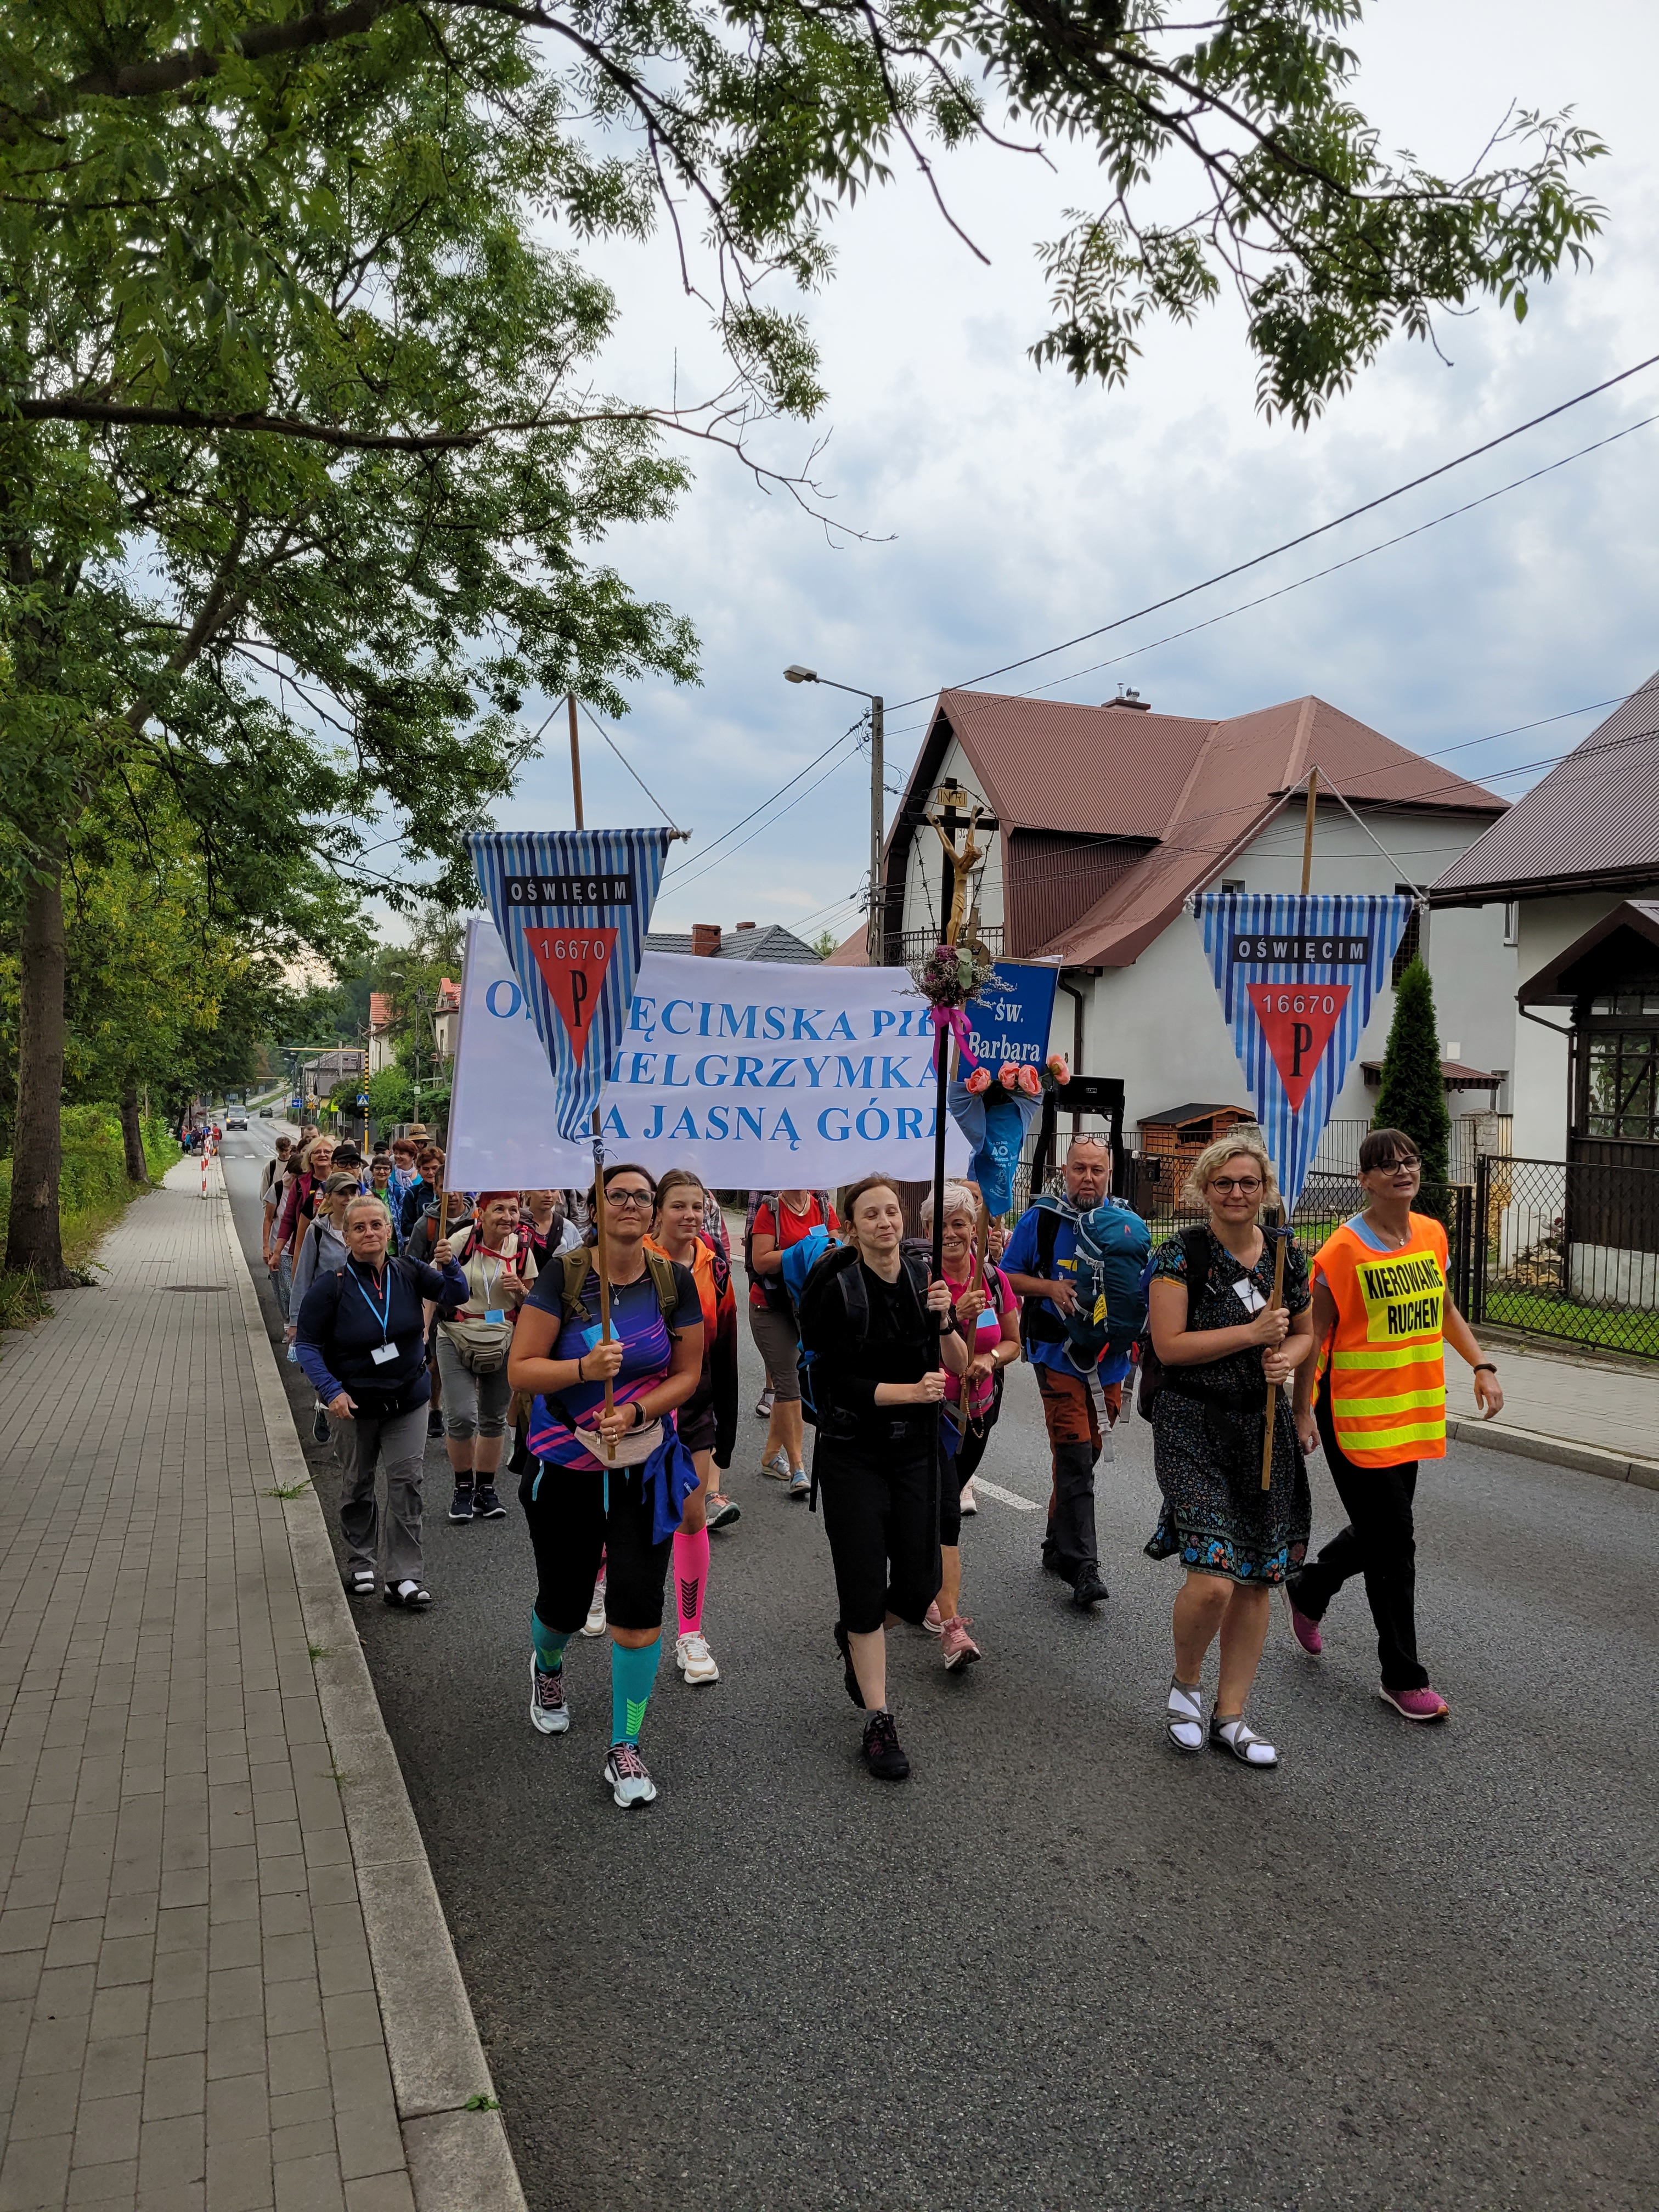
(399, 1445)
(285, 1280)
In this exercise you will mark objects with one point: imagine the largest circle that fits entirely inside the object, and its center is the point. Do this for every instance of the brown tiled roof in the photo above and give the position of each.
(1201, 790)
(1593, 822)
(853, 951)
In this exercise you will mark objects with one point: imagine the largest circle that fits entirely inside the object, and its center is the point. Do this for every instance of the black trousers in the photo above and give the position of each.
(881, 1516)
(571, 1529)
(1379, 1543)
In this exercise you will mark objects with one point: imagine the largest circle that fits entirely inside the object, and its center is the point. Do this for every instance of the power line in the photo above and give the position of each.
(1302, 538)
(623, 759)
(684, 882)
(669, 874)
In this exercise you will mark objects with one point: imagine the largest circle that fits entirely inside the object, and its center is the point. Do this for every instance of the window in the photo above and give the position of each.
(1411, 936)
(1234, 885)
(1623, 1081)
(1511, 922)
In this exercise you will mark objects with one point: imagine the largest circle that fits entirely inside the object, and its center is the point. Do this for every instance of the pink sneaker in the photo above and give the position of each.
(960, 1648)
(1305, 1629)
(931, 1621)
(1416, 1704)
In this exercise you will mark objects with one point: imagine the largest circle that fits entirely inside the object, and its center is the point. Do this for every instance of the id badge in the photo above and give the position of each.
(496, 1313)
(384, 1354)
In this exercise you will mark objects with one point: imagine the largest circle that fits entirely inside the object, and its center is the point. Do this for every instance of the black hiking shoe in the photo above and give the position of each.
(1089, 1588)
(461, 1505)
(883, 1754)
(486, 1506)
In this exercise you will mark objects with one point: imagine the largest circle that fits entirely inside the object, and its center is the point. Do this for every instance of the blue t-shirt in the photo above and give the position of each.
(1021, 1258)
(647, 1353)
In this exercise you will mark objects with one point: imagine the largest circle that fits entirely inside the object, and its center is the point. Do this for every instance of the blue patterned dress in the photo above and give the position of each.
(1206, 1447)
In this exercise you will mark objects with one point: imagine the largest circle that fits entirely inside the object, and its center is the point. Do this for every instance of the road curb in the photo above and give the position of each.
(457, 2154)
(1583, 1459)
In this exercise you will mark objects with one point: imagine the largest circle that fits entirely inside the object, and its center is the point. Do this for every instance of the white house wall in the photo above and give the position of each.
(926, 861)
(1158, 1023)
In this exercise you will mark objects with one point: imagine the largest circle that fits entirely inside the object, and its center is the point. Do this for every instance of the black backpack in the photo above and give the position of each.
(1195, 1248)
(837, 1275)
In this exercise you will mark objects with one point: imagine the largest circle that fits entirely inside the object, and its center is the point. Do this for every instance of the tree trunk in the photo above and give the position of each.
(33, 1238)
(133, 1136)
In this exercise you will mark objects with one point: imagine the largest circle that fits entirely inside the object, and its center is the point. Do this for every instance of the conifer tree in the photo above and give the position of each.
(1412, 1096)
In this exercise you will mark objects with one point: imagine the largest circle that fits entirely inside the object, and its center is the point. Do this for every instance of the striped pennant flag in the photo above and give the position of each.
(1296, 975)
(572, 907)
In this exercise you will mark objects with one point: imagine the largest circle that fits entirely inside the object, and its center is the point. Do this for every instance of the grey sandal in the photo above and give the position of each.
(1246, 1746)
(1185, 1724)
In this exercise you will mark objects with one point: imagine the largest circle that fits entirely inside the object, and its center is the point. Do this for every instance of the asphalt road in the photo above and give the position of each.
(1062, 1967)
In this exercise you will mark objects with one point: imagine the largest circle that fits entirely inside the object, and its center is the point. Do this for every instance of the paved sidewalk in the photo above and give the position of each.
(1598, 1417)
(192, 2012)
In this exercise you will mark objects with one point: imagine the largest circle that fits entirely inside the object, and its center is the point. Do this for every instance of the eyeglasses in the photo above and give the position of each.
(1244, 1185)
(641, 1200)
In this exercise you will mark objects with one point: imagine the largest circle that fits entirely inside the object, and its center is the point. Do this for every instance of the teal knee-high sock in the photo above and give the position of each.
(547, 1644)
(632, 1674)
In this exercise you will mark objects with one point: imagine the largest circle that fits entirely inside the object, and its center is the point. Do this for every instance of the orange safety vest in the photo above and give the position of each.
(1388, 1361)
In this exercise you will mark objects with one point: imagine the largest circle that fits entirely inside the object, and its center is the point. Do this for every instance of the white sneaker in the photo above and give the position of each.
(694, 1658)
(549, 1712)
(777, 1466)
(594, 1624)
(629, 1776)
(969, 1503)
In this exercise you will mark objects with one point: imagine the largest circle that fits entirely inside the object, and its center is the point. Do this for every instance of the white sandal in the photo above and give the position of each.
(1246, 1746)
(1185, 1724)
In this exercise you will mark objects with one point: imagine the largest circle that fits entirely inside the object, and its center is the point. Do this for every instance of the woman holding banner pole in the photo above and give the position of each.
(1218, 1333)
(610, 1476)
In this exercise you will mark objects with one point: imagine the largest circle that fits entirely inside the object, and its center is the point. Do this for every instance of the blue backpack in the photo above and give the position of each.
(1114, 1245)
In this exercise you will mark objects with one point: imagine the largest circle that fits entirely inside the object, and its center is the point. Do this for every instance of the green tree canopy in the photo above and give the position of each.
(304, 467)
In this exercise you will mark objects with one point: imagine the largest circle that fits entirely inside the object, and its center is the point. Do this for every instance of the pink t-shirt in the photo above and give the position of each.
(988, 1331)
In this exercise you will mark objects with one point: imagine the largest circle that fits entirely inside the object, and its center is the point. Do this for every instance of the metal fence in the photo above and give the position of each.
(1569, 1250)
(1474, 1136)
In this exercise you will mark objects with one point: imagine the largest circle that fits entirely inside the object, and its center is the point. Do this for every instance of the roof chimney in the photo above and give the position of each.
(1131, 700)
(706, 938)
(745, 925)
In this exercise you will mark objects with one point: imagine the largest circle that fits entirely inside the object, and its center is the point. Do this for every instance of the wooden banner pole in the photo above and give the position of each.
(602, 1261)
(1282, 1239)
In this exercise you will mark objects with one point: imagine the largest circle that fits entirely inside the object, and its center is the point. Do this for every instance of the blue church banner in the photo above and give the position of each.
(1296, 975)
(572, 907)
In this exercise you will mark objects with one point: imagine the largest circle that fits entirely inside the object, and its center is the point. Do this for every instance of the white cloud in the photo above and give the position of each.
(1023, 510)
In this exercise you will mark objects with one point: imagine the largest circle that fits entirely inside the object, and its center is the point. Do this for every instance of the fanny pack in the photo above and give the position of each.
(483, 1354)
(632, 1450)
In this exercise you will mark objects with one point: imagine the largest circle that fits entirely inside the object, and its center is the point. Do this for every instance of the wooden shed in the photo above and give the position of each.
(1171, 1141)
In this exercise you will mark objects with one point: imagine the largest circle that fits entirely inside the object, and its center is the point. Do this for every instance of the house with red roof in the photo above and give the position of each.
(1106, 820)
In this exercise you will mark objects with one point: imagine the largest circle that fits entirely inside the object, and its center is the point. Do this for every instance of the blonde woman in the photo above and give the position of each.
(1219, 1342)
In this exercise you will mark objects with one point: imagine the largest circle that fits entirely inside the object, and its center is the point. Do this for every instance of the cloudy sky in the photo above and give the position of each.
(1008, 510)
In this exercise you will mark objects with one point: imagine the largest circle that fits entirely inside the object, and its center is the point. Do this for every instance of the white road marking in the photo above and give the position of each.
(1007, 1497)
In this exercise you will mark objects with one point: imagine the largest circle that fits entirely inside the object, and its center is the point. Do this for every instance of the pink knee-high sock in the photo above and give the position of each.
(690, 1577)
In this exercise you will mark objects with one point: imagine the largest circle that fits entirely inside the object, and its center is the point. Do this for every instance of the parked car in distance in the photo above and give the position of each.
(236, 1118)
(266, 1112)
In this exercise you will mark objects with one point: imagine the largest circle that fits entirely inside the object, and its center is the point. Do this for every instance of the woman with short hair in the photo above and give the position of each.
(870, 1321)
(362, 1340)
(989, 1314)
(1220, 1343)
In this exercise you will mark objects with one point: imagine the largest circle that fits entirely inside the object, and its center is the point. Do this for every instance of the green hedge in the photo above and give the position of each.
(95, 1175)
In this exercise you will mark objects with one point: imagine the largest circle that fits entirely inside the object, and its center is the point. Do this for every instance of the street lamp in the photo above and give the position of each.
(875, 940)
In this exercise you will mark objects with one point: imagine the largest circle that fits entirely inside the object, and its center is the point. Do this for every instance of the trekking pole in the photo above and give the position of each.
(602, 1260)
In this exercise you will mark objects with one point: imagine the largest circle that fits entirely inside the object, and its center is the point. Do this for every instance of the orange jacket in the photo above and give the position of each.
(1387, 1360)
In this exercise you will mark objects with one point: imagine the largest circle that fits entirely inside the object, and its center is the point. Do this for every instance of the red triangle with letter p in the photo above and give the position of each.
(573, 962)
(1297, 1020)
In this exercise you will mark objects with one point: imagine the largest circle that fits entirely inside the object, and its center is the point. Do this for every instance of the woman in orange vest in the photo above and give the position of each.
(1383, 1313)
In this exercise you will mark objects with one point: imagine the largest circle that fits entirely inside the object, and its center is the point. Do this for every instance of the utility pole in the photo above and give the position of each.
(575, 760)
(876, 944)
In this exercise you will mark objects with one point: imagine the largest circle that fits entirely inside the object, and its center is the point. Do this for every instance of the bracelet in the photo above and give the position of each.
(1484, 1367)
(580, 1377)
(638, 1407)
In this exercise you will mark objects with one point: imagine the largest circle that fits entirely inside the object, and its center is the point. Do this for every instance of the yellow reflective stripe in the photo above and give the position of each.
(1401, 1355)
(1372, 1440)
(1350, 1410)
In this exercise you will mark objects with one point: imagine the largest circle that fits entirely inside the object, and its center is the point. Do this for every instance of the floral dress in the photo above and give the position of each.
(1207, 1428)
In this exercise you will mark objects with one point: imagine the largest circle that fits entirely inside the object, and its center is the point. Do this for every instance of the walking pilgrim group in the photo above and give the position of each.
(622, 1437)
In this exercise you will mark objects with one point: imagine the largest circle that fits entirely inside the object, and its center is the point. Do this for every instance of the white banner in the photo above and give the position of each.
(755, 1074)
